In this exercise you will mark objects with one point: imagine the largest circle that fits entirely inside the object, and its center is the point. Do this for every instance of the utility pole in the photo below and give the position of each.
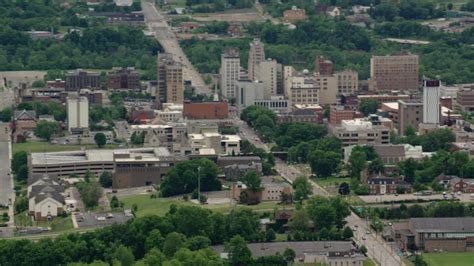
(199, 184)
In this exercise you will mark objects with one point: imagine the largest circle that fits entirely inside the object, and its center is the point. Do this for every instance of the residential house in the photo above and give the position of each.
(45, 200)
(24, 122)
(464, 185)
(388, 185)
(333, 11)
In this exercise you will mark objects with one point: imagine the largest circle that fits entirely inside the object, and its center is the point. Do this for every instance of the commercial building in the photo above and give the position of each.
(130, 167)
(294, 14)
(301, 116)
(77, 114)
(170, 87)
(395, 72)
(431, 107)
(229, 72)
(465, 100)
(272, 191)
(392, 154)
(79, 79)
(323, 66)
(222, 144)
(206, 110)
(248, 92)
(410, 114)
(369, 131)
(454, 234)
(347, 82)
(123, 79)
(312, 89)
(390, 110)
(161, 135)
(267, 73)
(337, 113)
(256, 55)
(24, 123)
(277, 104)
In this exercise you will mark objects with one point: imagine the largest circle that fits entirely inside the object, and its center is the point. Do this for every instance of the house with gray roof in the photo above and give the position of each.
(45, 198)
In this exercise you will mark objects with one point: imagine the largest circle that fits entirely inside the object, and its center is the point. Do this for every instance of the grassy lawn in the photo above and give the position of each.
(40, 146)
(331, 182)
(21, 219)
(369, 262)
(58, 224)
(160, 206)
(449, 258)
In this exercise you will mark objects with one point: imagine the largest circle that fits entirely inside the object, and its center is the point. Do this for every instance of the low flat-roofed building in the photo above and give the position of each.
(454, 234)
(324, 252)
(367, 131)
(222, 144)
(383, 98)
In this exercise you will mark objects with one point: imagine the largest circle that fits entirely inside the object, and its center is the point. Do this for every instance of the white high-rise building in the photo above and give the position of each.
(256, 55)
(431, 101)
(230, 72)
(77, 113)
(268, 74)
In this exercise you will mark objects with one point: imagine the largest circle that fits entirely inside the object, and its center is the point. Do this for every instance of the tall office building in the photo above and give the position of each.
(256, 55)
(431, 105)
(410, 114)
(395, 72)
(170, 84)
(268, 74)
(123, 78)
(230, 72)
(77, 113)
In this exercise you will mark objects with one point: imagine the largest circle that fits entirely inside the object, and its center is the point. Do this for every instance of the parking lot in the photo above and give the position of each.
(84, 220)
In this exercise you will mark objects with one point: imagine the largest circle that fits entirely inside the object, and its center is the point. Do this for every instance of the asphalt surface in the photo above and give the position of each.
(156, 23)
(84, 220)
(6, 182)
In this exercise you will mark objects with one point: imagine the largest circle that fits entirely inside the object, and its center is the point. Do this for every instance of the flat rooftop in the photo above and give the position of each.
(99, 155)
(454, 224)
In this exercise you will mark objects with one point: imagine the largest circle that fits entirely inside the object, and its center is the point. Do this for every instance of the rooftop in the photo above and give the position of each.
(454, 224)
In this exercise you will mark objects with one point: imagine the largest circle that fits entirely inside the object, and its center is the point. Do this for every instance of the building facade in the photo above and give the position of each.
(410, 114)
(229, 72)
(77, 113)
(361, 132)
(79, 79)
(395, 72)
(268, 74)
(465, 100)
(256, 55)
(170, 87)
(206, 110)
(123, 79)
(347, 82)
(431, 106)
(323, 66)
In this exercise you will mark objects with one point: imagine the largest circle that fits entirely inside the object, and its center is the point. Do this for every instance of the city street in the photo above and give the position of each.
(156, 23)
(6, 181)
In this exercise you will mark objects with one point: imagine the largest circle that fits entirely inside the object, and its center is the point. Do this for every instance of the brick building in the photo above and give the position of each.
(79, 79)
(323, 66)
(386, 185)
(123, 79)
(206, 110)
(395, 72)
(339, 113)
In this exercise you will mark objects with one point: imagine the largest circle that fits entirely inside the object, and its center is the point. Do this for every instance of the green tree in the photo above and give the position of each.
(302, 188)
(100, 139)
(6, 114)
(376, 166)
(289, 256)
(347, 233)
(368, 107)
(173, 242)
(183, 178)
(270, 235)
(22, 173)
(123, 255)
(90, 193)
(45, 129)
(114, 202)
(299, 222)
(363, 249)
(154, 257)
(253, 181)
(239, 253)
(19, 158)
(105, 179)
(324, 163)
(357, 163)
(154, 240)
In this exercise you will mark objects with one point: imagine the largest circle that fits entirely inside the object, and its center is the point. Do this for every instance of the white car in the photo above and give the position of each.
(100, 218)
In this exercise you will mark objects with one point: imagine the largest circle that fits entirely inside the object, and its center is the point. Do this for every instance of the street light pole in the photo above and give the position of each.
(199, 184)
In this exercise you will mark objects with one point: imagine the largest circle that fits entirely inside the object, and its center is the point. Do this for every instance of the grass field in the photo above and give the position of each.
(58, 224)
(40, 146)
(449, 258)
(369, 262)
(21, 219)
(160, 206)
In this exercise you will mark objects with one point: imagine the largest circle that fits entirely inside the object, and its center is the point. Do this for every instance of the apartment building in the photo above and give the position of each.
(410, 113)
(229, 72)
(256, 55)
(80, 79)
(206, 110)
(361, 131)
(347, 82)
(170, 87)
(123, 79)
(395, 72)
(312, 89)
(338, 113)
(383, 98)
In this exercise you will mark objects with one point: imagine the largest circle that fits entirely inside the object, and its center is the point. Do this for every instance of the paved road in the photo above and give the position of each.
(265, 15)
(156, 23)
(378, 250)
(6, 182)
